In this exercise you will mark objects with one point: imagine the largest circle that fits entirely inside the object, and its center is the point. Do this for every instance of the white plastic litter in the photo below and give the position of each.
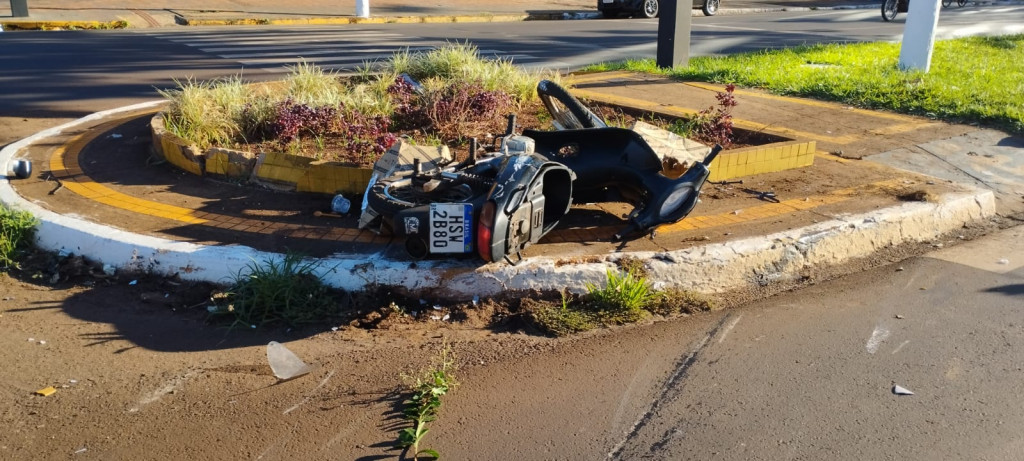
(1004, 261)
(284, 363)
(900, 390)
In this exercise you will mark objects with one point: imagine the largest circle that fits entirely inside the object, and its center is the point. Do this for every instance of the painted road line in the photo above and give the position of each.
(64, 165)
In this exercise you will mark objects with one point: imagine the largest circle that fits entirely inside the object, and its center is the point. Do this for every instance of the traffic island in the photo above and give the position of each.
(737, 237)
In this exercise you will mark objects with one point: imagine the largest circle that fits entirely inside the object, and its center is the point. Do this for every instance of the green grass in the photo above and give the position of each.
(456, 61)
(626, 297)
(971, 80)
(205, 113)
(277, 292)
(17, 233)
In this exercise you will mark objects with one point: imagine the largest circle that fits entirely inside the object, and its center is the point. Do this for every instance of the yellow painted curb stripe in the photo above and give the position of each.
(64, 165)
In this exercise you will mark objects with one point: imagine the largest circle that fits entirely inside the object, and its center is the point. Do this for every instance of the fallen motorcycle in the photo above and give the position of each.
(500, 204)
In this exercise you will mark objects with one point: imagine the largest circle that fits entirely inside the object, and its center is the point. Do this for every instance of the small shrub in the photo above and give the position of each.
(409, 112)
(712, 125)
(462, 107)
(422, 407)
(622, 299)
(367, 137)
(17, 233)
(277, 292)
(295, 119)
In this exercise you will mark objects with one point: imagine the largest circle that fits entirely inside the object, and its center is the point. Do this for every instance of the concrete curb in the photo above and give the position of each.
(706, 268)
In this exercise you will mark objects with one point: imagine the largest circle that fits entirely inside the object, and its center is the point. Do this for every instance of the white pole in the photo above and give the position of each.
(363, 8)
(919, 35)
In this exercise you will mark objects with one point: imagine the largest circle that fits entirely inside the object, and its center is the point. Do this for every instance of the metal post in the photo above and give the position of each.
(674, 34)
(19, 8)
(919, 35)
(363, 8)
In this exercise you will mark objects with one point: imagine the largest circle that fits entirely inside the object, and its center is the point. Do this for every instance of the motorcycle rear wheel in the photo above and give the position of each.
(946, 3)
(391, 195)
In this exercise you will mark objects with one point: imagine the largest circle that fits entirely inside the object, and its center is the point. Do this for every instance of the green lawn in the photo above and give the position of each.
(972, 80)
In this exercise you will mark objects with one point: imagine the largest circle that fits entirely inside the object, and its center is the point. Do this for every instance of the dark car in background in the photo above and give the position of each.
(648, 8)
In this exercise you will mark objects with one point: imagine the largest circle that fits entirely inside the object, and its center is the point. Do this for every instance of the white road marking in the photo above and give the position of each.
(728, 328)
(904, 343)
(877, 336)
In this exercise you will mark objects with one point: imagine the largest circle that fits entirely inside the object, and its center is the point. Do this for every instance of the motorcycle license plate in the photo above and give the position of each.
(451, 229)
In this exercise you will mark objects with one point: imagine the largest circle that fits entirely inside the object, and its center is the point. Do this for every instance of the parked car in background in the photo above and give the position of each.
(648, 8)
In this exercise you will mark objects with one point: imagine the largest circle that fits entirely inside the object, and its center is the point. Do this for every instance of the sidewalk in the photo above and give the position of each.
(52, 14)
(130, 214)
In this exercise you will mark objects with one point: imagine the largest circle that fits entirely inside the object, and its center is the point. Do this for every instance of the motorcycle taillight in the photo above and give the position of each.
(485, 231)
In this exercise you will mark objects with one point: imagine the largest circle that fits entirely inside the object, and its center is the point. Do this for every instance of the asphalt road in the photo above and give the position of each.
(78, 72)
(804, 375)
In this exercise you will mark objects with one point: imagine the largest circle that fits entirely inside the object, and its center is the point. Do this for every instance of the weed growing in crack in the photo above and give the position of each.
(17, 233)
(285, 291)
(623, 297)
(422, 408)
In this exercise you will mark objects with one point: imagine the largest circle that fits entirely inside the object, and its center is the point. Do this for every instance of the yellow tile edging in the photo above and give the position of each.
(293, 172)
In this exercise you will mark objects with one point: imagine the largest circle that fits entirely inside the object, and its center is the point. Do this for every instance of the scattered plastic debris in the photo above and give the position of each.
(446, 317)
(435, 317)
(900, 317)
(1004, 261)
(340, 204)
(211, 308)
(73, 381)
(476, 300)
(133, 282)
(80, 450)
(31, 340)
(42, 343)
(46, 391)
(334, 328)
(899, 269)
(284, 363)
(437, 307)
(900, 390)
(116, 135)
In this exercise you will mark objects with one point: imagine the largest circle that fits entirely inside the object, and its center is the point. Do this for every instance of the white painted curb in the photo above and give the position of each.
(707, 268)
